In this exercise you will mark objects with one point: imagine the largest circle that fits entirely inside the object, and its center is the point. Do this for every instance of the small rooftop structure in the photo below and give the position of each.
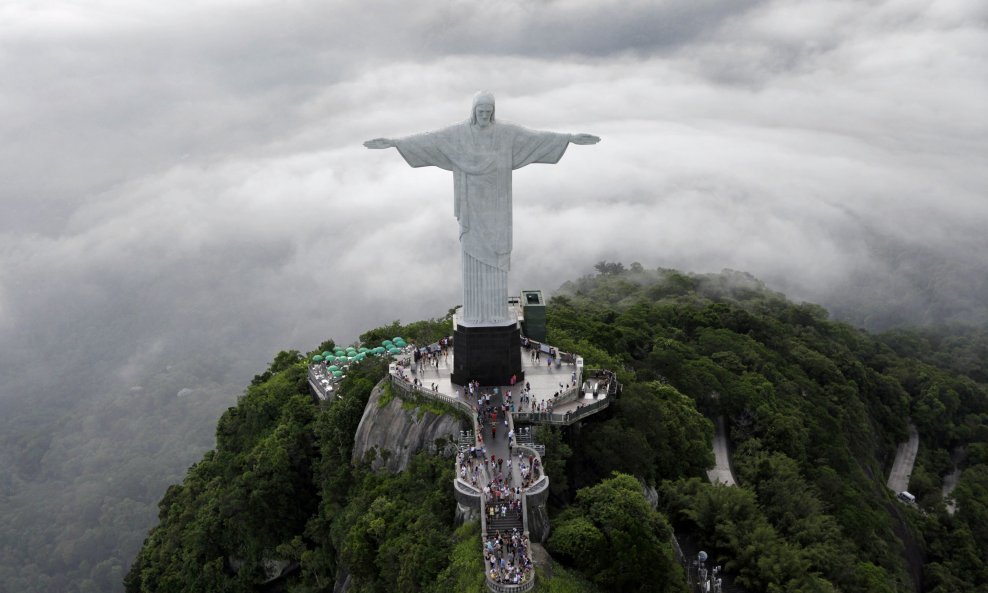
(533, 313)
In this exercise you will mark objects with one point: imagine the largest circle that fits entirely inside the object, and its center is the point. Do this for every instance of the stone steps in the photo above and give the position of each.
(504, 524)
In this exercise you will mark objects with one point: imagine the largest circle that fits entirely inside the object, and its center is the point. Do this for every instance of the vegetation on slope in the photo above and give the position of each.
(815, 410)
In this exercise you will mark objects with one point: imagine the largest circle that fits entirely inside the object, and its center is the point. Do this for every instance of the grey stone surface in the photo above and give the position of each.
(396, 433)
(343, 580)
(650, 493)
(466, 513)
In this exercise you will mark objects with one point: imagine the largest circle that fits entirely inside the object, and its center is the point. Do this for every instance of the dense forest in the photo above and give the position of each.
(815, 409)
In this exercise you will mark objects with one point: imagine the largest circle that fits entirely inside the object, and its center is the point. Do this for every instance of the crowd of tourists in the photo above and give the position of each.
(508, 557)
(469, 465)
(431, 356)
(531, 471)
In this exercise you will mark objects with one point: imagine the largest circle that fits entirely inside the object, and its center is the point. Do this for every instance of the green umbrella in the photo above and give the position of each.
(327, 354)
(337, 373)
(395, 351)
(397, 339)
(361, 355)
(317, 358)
(340, 352)
(363, 349)
(332, 368)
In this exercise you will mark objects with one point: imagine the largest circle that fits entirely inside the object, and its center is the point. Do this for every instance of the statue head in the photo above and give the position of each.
(482, 113)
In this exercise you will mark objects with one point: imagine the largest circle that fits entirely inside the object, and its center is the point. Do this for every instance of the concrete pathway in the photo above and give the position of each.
(905, 458)
(497, 446)
(721, 473)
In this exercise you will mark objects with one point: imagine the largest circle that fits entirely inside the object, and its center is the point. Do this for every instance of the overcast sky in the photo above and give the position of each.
(185, 176)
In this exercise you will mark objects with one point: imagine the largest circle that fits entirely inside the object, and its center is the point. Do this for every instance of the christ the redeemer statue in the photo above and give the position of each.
(481, 154)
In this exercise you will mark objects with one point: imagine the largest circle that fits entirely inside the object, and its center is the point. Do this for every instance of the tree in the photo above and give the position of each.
(609, 268)
(614, 537)
(554, 460)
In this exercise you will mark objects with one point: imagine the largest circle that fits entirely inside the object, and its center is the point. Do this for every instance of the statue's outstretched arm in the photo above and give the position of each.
(584, 139)
(380, 143)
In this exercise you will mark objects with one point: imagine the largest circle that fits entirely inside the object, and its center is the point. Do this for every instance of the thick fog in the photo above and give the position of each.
(185, 185)
(192, 179)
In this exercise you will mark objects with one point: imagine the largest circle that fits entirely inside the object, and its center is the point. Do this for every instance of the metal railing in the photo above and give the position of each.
(566, 418)
(613, 386)
(483, 518)
(524, 514)
(412, 390)
(497, 587)
(466, 488)
(538, 486)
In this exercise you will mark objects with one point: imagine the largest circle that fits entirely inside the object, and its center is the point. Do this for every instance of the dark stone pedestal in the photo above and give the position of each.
(487, 354)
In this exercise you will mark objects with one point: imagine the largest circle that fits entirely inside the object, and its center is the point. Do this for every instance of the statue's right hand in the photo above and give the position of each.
(379, 143)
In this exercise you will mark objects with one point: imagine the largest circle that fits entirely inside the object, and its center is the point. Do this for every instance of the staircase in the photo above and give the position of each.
(504, 524)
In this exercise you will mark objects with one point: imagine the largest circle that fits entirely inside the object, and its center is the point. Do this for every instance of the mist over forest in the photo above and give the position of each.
(185, 194)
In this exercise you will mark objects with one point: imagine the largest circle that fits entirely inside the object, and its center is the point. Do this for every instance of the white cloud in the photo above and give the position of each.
(211, 168)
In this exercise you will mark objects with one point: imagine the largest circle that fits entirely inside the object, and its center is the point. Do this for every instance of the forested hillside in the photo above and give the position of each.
(814, 407)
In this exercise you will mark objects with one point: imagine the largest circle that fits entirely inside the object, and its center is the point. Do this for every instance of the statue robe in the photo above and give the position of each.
(481, 160)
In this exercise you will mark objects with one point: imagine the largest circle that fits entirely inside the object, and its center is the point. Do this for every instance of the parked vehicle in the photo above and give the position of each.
(906, 497)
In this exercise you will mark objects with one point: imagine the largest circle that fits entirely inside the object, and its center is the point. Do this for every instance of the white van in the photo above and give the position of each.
(906, 497)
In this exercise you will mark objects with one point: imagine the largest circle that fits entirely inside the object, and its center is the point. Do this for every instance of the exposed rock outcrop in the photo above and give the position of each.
(542, 559)
(343, 580)
(465, 514)
(651, 494)
(394, 433)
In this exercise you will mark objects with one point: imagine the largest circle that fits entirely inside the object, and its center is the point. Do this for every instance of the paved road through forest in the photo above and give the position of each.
(721, 473)
(905, 458)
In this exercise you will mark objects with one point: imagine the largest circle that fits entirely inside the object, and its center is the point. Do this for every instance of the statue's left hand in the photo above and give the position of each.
(584, 139)
(379, 143)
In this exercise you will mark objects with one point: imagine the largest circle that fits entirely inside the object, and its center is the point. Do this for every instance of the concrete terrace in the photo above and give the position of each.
(562, 383)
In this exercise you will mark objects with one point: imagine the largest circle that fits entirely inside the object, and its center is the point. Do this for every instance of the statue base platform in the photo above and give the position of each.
(489, 354)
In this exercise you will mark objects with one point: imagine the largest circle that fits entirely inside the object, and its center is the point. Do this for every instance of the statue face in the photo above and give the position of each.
(483, 113)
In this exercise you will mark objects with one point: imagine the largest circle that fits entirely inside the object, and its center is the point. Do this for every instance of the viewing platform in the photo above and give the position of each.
(561, 391)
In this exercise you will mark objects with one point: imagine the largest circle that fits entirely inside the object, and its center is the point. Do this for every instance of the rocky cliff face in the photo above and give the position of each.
(395, 433)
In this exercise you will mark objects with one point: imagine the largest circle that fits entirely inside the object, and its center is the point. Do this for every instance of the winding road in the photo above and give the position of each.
(721, 472)
(905, 458)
